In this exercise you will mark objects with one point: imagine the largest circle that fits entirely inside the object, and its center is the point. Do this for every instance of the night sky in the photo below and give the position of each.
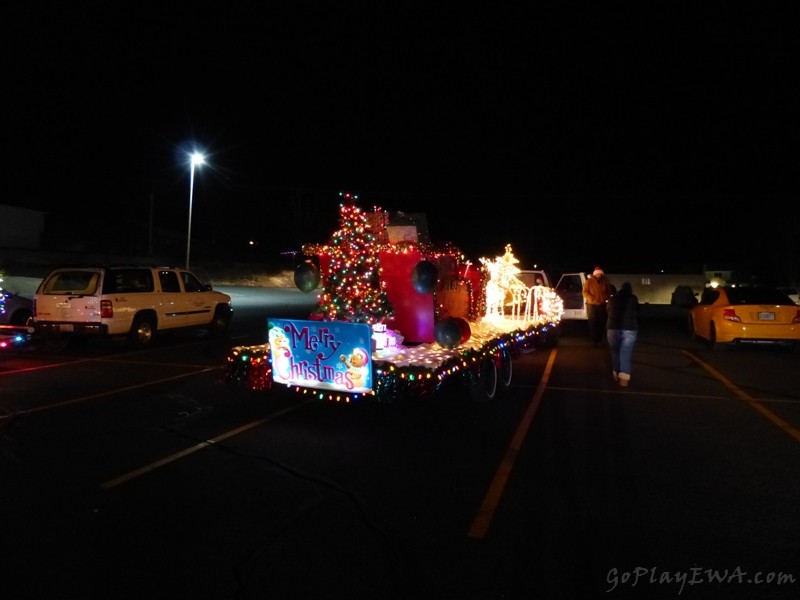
(638, 136)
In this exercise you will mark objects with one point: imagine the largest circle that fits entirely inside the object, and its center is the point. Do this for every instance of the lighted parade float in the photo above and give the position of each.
(398, 316)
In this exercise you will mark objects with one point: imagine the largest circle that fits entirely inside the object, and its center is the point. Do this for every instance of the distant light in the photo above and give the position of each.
(198, 159)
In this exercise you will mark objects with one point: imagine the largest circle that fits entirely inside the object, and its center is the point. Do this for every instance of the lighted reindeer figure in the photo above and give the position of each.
(503, 283)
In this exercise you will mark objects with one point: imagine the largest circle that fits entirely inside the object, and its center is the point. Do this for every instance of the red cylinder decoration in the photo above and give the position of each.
(463, 327)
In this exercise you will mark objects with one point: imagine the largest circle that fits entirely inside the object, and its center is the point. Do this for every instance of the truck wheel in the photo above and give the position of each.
(55, 342)
(483, 385)
(219, 324)
(554, 336)
(690, 328)
(142, 333)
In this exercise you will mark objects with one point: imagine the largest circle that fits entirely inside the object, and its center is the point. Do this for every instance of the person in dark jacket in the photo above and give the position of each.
(622, 329)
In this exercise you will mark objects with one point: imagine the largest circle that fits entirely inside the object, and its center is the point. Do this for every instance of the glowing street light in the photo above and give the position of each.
(197, 159)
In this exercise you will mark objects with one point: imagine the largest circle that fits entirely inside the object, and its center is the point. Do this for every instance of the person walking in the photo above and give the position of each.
(596, 292)
(622, 330)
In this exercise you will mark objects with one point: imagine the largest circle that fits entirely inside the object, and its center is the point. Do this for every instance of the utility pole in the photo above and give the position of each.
(151, 222)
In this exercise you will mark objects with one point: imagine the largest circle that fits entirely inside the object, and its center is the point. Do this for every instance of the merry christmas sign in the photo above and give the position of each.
(331, 355)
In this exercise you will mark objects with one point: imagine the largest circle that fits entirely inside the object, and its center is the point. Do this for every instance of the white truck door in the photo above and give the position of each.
(570, 289)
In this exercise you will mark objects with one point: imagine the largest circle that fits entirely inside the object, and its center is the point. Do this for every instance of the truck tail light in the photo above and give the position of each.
(106, 309)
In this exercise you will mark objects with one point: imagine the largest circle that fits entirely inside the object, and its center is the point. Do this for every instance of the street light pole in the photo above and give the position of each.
(196, 160)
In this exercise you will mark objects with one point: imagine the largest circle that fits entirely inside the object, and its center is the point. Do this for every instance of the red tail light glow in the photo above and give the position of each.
(106, 309)
(729, 314)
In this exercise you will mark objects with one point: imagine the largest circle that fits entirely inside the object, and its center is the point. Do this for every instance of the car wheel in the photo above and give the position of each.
(219, 324)
(483, 384)
(713, 344)
(143, 332)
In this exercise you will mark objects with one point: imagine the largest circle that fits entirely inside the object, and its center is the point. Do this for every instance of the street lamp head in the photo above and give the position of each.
(197, 159)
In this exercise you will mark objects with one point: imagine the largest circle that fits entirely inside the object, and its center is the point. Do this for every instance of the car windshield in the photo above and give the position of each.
(757, 295)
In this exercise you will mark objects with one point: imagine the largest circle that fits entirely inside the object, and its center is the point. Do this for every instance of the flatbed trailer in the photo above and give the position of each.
(483, 365)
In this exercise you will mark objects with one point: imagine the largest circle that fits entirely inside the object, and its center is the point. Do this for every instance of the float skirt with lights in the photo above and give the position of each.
(404, 372)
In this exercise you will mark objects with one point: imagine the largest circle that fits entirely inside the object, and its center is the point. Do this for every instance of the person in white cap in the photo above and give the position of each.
(596, 292)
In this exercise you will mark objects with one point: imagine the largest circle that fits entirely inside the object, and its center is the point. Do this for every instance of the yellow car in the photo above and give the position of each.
(731, 315)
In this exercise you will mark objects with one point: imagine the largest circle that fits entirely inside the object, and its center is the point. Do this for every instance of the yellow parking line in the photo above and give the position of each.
(481, 522)
(787, 428)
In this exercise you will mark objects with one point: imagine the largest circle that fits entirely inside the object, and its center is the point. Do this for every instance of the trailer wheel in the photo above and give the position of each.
(483, 385)
(506, 368)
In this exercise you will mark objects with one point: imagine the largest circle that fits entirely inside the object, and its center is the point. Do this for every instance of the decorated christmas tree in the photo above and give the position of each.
(353, 290)
(507, 269)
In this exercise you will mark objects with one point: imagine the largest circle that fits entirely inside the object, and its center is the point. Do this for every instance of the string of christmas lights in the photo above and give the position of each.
(250, 367)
